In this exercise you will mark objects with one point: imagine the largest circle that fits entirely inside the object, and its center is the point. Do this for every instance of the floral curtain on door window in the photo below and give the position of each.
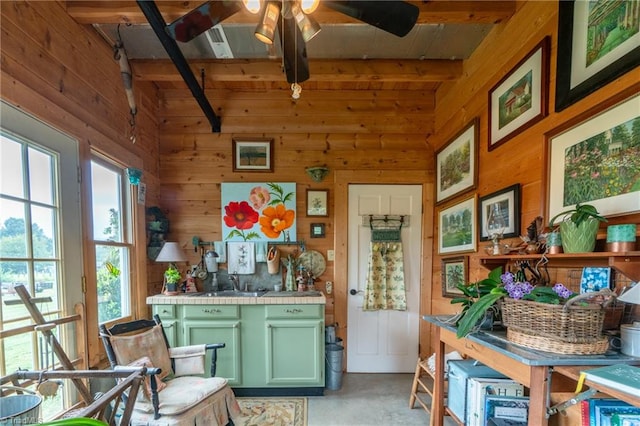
(385, 289)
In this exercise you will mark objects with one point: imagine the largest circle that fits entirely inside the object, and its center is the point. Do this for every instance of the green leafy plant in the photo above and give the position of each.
(577, 215)
(483, 296)
(172, 275)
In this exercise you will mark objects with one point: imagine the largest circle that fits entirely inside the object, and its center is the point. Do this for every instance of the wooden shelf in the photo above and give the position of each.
(627, 263)
(573, 372)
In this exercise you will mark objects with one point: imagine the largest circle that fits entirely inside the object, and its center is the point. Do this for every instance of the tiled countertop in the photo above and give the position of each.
(269, 298)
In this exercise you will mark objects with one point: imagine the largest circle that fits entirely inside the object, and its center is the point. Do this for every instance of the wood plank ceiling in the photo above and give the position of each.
(326, 73)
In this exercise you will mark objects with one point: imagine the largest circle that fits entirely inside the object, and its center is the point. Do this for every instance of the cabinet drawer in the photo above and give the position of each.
(211, 311)
(295, 311)
(165, 311)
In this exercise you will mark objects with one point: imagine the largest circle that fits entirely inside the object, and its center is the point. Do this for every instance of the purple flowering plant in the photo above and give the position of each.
(482, 296)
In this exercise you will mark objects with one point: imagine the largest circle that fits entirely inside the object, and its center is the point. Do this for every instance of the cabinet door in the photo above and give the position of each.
(295, 352)
(168, 315)
(223, 331)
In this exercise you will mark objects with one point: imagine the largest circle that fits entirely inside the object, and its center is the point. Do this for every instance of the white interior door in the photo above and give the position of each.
(383, 341)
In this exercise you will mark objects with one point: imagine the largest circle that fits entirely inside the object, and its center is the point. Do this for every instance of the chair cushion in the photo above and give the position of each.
(182, 393)
(150, 343)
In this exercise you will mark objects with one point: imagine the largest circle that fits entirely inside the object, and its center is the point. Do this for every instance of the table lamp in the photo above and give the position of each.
(171, 252)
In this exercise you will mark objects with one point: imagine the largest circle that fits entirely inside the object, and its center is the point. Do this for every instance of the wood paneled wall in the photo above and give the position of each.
(64, 74)
(521, 159)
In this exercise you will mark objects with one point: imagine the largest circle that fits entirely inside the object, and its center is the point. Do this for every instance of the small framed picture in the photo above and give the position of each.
(457, 227)
(455, 271)
(595, 279)
(457, 163)
(499, 213)
(318, 202)
(254, 155)
(520, 99)
(317, 230)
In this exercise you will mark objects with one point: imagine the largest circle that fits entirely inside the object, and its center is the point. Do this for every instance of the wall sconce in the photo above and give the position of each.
(317, 173)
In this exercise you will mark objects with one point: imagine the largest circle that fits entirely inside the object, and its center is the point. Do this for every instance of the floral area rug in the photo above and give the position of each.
(272, 412)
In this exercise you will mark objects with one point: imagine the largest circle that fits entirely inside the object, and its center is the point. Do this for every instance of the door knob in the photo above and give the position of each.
(353, 291)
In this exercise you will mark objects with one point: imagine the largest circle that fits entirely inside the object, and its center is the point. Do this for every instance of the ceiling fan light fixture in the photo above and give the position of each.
(266, 29)
(308, 6)
(253, 6)
(309, 27)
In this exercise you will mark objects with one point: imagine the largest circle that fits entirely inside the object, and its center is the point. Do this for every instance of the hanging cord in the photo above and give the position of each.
(295, 87)
(120, 55)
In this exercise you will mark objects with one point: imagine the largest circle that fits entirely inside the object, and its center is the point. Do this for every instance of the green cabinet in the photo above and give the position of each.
(169, 317)
(268, 347)
(203, 324)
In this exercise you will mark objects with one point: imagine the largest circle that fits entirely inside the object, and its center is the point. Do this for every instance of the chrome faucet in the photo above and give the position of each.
(235, 280)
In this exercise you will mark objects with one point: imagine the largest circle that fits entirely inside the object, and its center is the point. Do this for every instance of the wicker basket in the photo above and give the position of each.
(569, 323)
(540, 343)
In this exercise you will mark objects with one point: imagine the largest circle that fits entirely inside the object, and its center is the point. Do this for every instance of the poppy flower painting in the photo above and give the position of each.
(259, 211)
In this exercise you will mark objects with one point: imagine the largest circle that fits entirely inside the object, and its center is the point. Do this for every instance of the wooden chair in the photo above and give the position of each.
(179, 394)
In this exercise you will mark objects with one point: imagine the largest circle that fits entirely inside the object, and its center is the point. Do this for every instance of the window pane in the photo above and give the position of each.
(46, 282)
(11, 176)
(105, 186)
(40, 176)
(13, 274)
(112, 267)
(13, 232)
(42, 229)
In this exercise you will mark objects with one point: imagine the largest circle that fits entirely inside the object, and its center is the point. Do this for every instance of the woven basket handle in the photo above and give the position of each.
(604, 292)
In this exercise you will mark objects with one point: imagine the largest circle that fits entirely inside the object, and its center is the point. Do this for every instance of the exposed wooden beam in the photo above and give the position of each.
(431, 12)
(321, 70)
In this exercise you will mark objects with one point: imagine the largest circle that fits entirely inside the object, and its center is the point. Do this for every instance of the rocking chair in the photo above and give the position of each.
(179, 394)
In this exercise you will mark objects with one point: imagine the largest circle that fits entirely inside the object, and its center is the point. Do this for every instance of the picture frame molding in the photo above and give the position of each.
(565, 94)
(462, 248)
(323, 193)
(451, 290)
(469, 183)
(238, 144)
(539, 90)
(553, 182)
(514, 211)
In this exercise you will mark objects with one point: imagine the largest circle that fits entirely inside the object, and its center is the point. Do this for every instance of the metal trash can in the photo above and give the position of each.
(333, 365)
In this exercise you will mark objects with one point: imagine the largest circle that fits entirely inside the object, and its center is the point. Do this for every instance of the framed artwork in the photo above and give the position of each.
(258, 211)
(455, 271)
(499, 213)
(457, 227)
(457, 164)
(241, 257)
(318, 202)
(317, 230)
(520, 99)
(595, 279)
(253, 155)
(598, 41)
(596, 162)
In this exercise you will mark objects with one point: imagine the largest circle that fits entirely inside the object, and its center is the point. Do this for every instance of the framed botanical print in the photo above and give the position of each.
(454, 272)
(318, 202)
(457, 164)
(596, 162)
(598, 41)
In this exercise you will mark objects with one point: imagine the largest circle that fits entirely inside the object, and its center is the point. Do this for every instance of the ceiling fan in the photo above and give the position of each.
(294, 22)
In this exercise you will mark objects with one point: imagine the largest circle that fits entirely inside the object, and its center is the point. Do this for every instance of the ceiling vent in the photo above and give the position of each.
(218, 42)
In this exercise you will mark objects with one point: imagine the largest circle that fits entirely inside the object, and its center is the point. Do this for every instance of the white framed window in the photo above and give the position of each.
(112, 238)
(40, 241)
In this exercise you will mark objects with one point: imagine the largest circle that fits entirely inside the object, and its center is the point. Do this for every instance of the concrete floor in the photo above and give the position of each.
(367, 400)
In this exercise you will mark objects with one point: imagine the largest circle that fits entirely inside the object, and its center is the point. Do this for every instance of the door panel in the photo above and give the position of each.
(383, 341)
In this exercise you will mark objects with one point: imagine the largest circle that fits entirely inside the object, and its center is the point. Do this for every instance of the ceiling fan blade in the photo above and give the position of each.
(395, 17)
(201, 19)
(294, 51)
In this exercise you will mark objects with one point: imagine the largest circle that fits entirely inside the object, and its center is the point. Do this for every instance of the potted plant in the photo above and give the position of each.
(172, 277)
(578, 228)
(483, 296)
